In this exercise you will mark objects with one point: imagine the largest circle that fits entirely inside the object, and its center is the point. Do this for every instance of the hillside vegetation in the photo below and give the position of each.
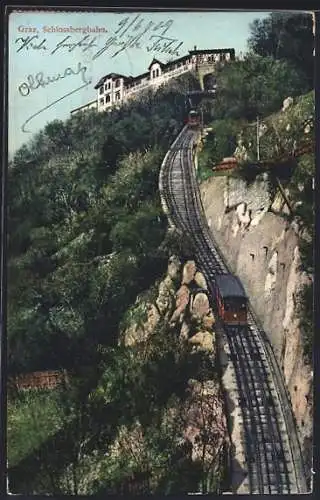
(88, 251)
(282, 134)
(87, 236)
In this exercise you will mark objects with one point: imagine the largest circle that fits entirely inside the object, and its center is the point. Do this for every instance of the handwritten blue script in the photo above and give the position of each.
(137, 32)
(33, 82)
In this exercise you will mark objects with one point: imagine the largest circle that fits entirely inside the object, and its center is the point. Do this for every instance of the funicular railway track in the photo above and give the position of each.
(273, 459)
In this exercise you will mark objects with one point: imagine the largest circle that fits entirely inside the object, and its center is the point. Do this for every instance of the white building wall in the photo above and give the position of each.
(111, 94)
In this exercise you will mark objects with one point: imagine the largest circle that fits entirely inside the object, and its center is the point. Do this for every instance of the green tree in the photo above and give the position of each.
(255, 86)
(286, 36)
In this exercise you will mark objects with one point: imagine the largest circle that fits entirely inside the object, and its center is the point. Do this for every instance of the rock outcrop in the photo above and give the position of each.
(202, 341)
(265, 256)
(189, 271)
(166, 295)
(200, 280)
(205, 421)
(182, 301)
(200, 422)
(200, 307)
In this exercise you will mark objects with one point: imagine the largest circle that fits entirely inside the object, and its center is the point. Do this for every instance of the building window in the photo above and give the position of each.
(157, 72)
(101, 102)
(107, 98)
(118, 83)
(153, 73)
(101, 90)
(117, 96)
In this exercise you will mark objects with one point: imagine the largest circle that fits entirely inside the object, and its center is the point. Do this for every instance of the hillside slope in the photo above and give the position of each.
(88, 244)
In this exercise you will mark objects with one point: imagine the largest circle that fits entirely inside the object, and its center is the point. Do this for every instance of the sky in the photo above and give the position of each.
(46, 66)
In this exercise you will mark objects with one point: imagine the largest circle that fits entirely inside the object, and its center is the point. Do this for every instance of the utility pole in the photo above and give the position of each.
(258, 140)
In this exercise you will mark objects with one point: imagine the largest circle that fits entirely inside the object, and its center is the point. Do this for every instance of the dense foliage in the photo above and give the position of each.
(256, 86)
(85, 227)
(123, 435)
(286, 36)
(86, 236)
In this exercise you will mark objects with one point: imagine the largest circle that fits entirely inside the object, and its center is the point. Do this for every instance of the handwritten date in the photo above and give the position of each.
(137, 33)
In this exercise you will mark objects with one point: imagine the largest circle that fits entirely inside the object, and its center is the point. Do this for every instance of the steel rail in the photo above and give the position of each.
(277, 446)
(187, 214)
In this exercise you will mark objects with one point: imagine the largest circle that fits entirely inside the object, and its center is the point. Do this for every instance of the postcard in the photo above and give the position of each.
(160, 182)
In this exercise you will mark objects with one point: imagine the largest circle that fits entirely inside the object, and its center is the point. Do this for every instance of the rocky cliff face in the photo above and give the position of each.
(181, 302)
(262, 248)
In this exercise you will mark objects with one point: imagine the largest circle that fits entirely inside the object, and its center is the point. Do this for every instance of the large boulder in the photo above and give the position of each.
(202, 341)
(206, 427)
(200, 280)
(165, 295)
(208, 321)
(189, 271)
(182, 301)
(174, 267)
(200, 306)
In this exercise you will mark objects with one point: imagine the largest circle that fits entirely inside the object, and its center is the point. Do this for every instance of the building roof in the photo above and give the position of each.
(155, 61)
(210, 51)
(230, 286)
(163, 65)
(174, 61)
(142, 75)
(109, 75)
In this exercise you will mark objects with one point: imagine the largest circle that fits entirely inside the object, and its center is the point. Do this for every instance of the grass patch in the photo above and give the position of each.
(32, 417)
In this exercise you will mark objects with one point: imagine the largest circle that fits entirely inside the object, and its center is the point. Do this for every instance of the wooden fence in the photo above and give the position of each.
(39, 380)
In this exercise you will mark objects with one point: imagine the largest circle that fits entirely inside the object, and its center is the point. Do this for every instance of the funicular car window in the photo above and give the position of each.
(234, 306)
